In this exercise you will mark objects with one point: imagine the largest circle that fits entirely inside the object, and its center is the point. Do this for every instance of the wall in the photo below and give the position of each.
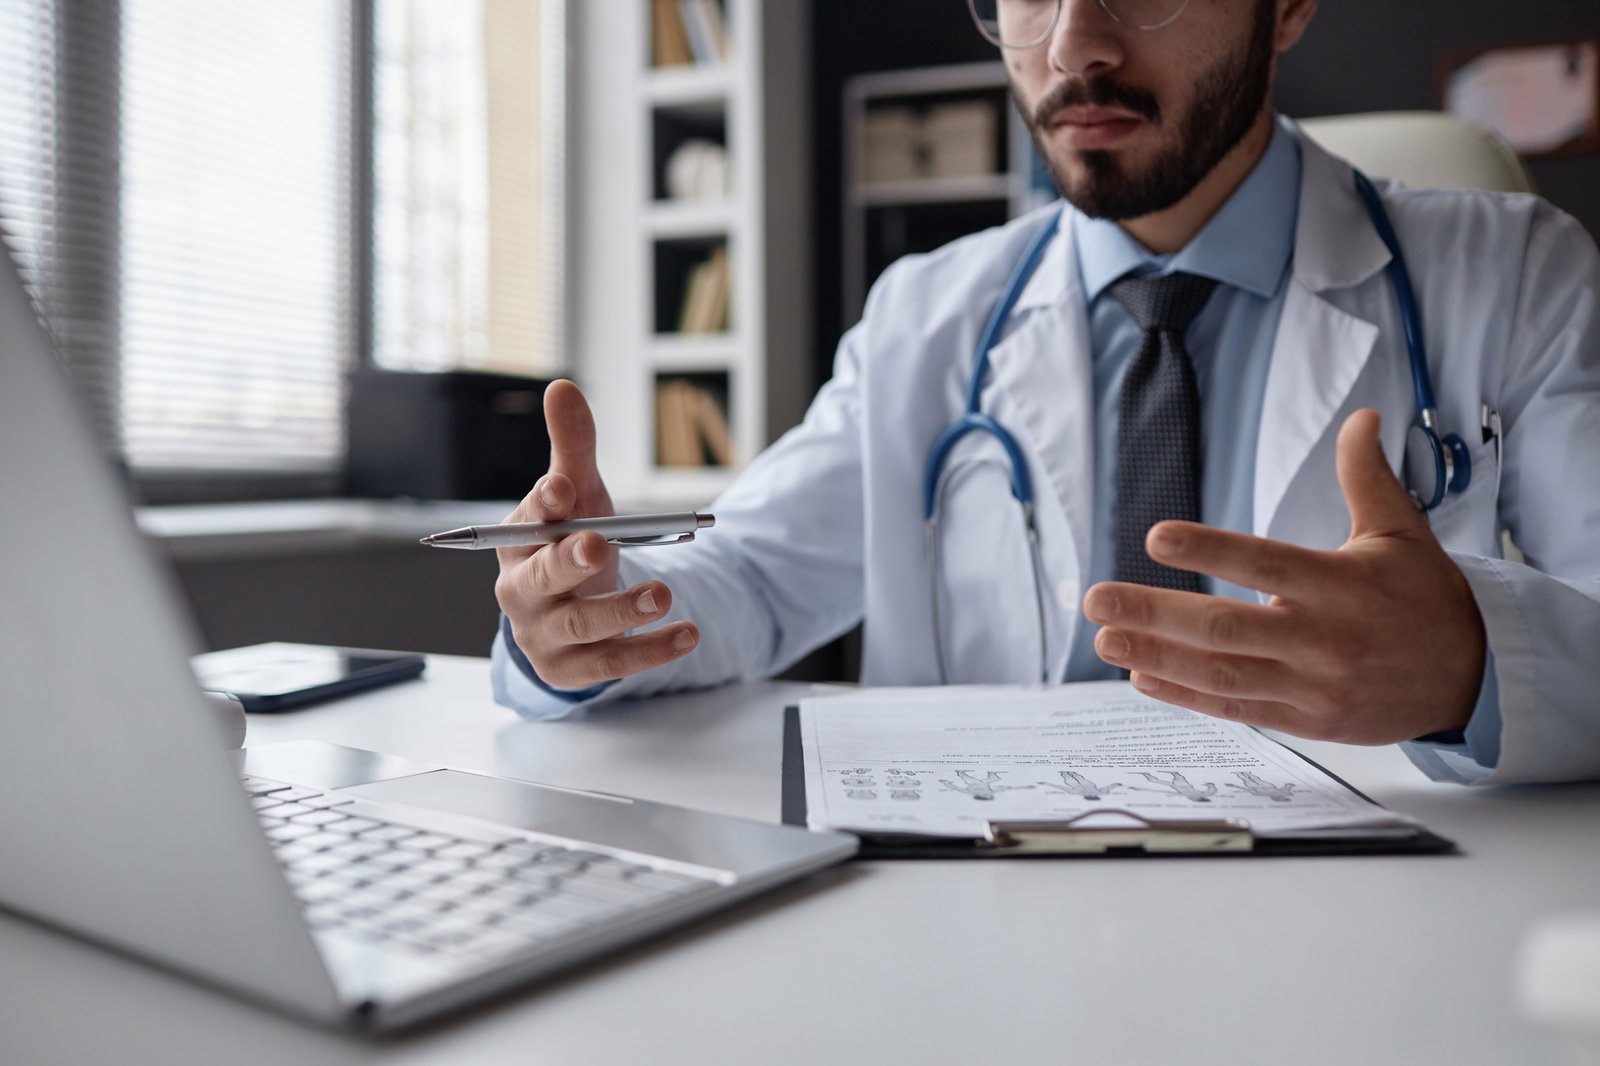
(1381, 55)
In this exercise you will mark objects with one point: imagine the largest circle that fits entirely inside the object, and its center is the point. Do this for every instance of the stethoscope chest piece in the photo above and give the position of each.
(1435, 466)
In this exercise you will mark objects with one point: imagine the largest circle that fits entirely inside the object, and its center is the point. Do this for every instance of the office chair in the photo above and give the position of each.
(1423, 149)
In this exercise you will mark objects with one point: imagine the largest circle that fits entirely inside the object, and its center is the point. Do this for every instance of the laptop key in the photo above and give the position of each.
(426, 841)
(316, 817)
(388, 832)
(324, 800)
(287, 832)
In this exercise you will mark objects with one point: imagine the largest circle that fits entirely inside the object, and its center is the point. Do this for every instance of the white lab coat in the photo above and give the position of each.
(826, 527)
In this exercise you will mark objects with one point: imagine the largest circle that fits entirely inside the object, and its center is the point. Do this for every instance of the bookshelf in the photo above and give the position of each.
(931, 154)
(692, 338)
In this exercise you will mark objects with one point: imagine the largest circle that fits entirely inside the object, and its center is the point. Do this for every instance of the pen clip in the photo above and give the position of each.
(652, 541)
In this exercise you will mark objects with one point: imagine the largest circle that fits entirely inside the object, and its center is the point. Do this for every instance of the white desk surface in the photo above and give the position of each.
(1292, 962)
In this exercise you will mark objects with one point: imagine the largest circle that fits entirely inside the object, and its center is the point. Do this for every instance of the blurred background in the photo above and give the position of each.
(310, 263)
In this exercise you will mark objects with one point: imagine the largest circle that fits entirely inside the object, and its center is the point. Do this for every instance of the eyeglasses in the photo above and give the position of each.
(1026, 23)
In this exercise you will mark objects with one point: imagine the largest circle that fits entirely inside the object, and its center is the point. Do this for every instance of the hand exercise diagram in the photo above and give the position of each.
(1076, 784)
(1256, 787)
(1178, 785)
(979, 788)
(861, 783)
(906, 786)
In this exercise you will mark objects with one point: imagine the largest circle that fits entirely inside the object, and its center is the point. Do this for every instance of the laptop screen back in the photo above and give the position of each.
(121, 816)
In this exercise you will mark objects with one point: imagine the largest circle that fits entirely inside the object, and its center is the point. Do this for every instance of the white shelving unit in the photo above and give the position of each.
(634, 248)
(1008, 189)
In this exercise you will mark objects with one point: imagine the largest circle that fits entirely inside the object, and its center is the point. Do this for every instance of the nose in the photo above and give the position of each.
(1086, 42)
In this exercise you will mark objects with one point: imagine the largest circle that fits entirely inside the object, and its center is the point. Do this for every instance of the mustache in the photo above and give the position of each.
(1101, 92)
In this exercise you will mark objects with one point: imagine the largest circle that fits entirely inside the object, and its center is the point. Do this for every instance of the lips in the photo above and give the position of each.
(1094, 127)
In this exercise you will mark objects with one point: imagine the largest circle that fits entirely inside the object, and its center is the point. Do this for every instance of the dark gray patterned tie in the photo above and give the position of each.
(1158, 436)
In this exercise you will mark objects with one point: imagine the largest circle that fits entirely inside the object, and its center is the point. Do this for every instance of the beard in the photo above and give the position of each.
(1227, 99)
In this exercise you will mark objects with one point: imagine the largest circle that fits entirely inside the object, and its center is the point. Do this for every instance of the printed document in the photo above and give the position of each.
(944, 761)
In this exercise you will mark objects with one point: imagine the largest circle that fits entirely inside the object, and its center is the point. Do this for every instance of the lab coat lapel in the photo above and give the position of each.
(1320, 349)
(1041, 389)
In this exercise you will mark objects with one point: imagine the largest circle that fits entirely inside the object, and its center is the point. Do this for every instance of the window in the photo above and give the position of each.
(181, 182)
(468, 158)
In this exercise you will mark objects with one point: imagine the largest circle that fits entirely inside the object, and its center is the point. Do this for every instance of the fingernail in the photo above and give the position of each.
(580, 555)
(1168, 539)
(682, 640)
(646, 602)
(546, 497)
(1113, 647)
(1104, 607)
(1145, 683)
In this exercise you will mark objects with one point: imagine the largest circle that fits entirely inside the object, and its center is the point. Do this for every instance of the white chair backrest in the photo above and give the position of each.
(1423, 149)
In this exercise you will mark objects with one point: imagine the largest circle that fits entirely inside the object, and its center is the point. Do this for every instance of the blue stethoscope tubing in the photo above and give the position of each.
(1447, 459)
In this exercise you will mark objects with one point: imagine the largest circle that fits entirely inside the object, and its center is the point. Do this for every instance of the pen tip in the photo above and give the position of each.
(428, 540)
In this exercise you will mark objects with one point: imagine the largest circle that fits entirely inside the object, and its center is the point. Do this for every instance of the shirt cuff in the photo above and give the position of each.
(542, 700)
(1479, 740)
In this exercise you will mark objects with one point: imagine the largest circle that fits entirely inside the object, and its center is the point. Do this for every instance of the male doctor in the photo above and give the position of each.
(1207, 384)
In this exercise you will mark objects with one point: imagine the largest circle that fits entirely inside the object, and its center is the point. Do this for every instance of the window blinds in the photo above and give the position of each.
(235, 310)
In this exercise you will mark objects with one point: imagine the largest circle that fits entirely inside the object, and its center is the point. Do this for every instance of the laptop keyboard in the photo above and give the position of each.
(432, 893)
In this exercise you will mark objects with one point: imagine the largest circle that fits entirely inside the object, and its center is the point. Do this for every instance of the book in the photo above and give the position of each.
(677, 443)
(696, 295)
(711, 12)
(712, 426)
(698, 33)
(691, 429)
(707, 295)
(669, 41)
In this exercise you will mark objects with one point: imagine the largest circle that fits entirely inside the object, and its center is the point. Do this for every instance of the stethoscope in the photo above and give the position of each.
(1436, 466)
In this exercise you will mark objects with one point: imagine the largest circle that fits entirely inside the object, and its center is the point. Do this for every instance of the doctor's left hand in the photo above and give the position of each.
(1378, 642)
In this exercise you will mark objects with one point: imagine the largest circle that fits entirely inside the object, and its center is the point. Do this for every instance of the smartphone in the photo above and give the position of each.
(282, 677)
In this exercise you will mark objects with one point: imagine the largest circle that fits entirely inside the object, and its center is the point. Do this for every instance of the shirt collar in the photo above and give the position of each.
(1246, 244)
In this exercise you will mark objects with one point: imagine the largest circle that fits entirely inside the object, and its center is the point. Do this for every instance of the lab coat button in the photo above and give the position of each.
(1067, 594)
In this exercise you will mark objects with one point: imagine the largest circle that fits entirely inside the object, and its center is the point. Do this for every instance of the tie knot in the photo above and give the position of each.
(1168, 302)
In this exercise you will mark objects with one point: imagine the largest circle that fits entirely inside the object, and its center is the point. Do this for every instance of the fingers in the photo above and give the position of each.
(1379, 505)
(1215, 674)
(589, 619)
(1206, 622)
(1265, 714)
(1255, 563)
(583, 665)
(550, 500)
(559, 568)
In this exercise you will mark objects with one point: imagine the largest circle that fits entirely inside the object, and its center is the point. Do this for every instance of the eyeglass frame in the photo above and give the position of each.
(972, 9)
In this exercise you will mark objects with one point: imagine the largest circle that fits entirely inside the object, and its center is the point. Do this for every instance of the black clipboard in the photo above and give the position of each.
(1078, 839)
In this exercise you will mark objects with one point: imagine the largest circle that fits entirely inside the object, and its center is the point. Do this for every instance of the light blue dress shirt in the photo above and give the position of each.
(1247, 247)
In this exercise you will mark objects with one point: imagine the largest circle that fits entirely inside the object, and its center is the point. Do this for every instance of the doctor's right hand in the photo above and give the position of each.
(566, 612)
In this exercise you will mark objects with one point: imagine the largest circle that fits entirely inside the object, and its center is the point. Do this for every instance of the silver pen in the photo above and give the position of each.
(626, 531)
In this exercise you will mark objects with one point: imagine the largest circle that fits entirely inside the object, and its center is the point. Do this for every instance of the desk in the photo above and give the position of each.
(1365, 961)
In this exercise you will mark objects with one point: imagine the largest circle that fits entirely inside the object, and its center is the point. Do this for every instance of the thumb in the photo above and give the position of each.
(571, 427)
(572, 446)
(1379, 505)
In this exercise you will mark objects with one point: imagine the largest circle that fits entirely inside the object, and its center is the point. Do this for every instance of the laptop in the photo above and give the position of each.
(345, 886)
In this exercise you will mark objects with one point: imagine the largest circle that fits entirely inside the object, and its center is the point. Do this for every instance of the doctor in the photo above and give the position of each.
(1204, 388)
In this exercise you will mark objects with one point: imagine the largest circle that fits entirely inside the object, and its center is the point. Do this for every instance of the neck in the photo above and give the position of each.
(1166, 232)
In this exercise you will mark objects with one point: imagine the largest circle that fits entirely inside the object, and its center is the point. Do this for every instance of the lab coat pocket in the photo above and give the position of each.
(1469, 522)
(987, 596)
